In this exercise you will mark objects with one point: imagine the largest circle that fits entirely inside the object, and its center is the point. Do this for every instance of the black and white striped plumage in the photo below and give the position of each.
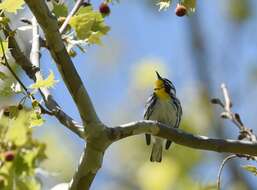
(162, 106)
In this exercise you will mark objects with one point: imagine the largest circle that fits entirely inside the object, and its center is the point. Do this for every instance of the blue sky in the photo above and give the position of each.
(139, 32)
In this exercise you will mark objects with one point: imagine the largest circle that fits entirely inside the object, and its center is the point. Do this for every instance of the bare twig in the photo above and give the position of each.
(50, 103)
(244, 132)
(221, 168)
(73, 11)
(228, 103)
(35, 52)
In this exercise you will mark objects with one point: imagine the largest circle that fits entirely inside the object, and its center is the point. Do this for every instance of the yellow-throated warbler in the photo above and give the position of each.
(162, 106)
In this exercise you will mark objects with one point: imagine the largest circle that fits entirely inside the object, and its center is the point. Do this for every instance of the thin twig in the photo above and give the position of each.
(35, 48)
(221, 168)
(228, 103)
(244, 132)
(73, 11)
(50, 103)
(43, 110)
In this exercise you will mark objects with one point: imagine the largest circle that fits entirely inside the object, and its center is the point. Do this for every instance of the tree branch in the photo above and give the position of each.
(73, 11)
(18, 55)
(51, 104)
(221, 168)
(31, 71)
(65, 65)
(91, 161)
(182, 138)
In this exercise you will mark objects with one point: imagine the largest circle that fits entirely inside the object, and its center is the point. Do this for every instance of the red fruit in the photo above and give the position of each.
(181, 10)
(104, 9)
(9, 156)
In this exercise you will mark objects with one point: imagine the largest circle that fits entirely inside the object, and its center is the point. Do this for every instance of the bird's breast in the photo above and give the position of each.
(164, 111)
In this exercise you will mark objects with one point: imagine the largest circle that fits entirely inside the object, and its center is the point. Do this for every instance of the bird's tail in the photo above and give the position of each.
(156, 155)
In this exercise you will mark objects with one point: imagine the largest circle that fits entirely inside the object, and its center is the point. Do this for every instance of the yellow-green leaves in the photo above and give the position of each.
(46, 83)
(5, 47)
(35, 119)
(164, 4)
(89, 25)
(189, 4)
(11, 6)
(2, 75)
(60, 9)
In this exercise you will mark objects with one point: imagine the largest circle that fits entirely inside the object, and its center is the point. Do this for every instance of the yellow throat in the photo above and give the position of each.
(160, 90)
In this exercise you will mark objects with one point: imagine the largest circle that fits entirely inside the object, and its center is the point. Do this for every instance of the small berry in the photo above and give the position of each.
(104, 9)
(9, 156)
(181, 10)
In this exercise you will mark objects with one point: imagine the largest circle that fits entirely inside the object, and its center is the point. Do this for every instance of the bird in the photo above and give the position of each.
(162, 106)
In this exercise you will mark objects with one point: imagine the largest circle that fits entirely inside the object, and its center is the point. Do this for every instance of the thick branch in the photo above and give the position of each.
(90, 163)
(70, 76)
(183, 138)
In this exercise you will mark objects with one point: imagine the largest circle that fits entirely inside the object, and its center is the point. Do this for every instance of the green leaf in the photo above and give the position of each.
(164, 4)
(60, 9)
(89, 25)
(47, 83)
(36, 119)
(17, 133)
(2, 75)
(95, 38)
(250, 168)
(11, 6)
(5, 46)
(27, 183)
(189, 4)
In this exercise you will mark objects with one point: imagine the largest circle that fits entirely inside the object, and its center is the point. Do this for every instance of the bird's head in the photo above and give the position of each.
(164, 85)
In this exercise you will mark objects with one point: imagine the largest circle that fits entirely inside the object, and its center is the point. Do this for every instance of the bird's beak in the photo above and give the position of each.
(158, 75)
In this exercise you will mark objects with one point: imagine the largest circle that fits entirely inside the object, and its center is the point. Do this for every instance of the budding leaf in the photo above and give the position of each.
(47, 83)
(237, 116)
(217, 101)
(224, 115)
(11, 6)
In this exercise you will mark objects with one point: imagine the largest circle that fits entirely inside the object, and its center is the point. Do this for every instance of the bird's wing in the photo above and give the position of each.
(179, 113)
(149, 106)
(148, 111)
